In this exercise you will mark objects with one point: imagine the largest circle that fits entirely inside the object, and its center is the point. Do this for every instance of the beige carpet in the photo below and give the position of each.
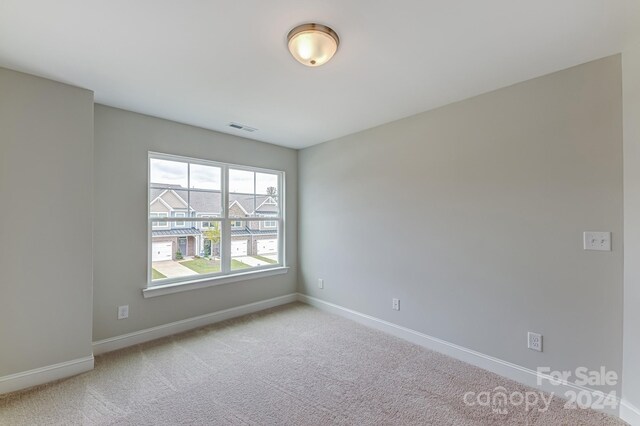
(289, 365)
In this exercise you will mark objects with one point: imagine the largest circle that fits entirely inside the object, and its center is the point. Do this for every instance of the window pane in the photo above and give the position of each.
(168, 173)
(205, 203)
(205, 177)
(267, 184)
(196, 253)
(241, 181)
(253, 246)
(243, 203)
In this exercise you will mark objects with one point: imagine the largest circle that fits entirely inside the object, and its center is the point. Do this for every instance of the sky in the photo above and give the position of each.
(208, 177)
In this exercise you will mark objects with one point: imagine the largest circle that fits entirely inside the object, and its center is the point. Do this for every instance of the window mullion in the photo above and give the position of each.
(280, 220)
(188, 189)
(225, 249)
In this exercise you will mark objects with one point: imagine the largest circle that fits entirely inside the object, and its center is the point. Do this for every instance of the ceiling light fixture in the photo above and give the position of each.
(312, 44)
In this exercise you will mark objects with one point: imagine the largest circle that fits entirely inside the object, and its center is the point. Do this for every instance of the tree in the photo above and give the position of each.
(272, 191)
(212, 234)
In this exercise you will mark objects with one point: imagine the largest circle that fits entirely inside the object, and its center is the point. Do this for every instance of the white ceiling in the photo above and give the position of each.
(208, 63)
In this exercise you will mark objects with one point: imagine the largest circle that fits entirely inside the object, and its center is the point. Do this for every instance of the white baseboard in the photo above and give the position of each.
(42, 375)
(503, 368)
(130, 339)
(629, 413)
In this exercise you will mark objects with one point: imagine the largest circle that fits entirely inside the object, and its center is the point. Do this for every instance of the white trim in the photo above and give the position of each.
(158, 221)
(207, 162)
(629, 413)
(226, 237)
(225, 228)
(184, 222)
(239, 205)
(503, 368)
(269, 197)
(42, 375)
(263, 225)
(179, 197)
(197, 283)
(159, 198)
(137, 337)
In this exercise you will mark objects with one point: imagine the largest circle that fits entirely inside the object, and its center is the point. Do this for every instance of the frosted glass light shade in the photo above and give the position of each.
(312, 44)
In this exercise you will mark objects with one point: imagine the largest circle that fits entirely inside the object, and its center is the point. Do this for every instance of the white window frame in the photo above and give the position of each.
(157, 224)
(205, 223)
(182, 224)
(172, 285)
(270, 224)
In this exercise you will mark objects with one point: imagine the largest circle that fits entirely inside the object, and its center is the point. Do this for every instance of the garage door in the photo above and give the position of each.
(161, 251)
(267, 246)
(239, 248)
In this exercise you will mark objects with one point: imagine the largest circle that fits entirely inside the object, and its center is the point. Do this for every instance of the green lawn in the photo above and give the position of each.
(264, 259)
(236, 264)
(204, 266)
(155, 275)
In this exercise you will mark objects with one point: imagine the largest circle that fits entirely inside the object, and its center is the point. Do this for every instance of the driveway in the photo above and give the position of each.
(251, 261)
(172, 269)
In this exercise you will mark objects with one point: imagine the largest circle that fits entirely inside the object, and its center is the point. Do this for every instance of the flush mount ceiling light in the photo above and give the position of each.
(312, 44)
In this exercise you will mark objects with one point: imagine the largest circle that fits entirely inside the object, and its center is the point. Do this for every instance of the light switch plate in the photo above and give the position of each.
(597, 241)
(123, 312)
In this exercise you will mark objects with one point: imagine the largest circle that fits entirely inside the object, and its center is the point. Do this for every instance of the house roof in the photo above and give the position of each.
(193, 231)
(175, 232)
(249, 232)
(209, 202)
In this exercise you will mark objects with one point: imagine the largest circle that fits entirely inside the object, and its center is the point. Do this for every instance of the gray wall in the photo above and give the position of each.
(46, 172)
(122, 141)
(631, 84)
(472, 214)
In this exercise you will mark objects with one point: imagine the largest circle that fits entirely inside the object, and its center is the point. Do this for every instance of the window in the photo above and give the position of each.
(159, 224)
(205, 223)
(180, 224)
(208, 219)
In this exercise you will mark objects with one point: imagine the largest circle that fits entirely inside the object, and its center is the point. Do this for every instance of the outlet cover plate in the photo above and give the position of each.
(596, 240)
(534, 341)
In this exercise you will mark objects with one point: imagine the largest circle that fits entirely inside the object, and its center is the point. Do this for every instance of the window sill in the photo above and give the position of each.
(161, 290)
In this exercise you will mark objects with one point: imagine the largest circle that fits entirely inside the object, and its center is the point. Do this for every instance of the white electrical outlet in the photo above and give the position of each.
(320, 283)
(123, 312)
(395, 304)
(597, 241)
(534, 341)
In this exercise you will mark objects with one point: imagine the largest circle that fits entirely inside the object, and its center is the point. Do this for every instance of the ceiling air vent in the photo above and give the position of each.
(242, 127)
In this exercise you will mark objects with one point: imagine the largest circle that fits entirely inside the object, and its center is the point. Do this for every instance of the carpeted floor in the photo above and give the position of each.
(289, 365)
